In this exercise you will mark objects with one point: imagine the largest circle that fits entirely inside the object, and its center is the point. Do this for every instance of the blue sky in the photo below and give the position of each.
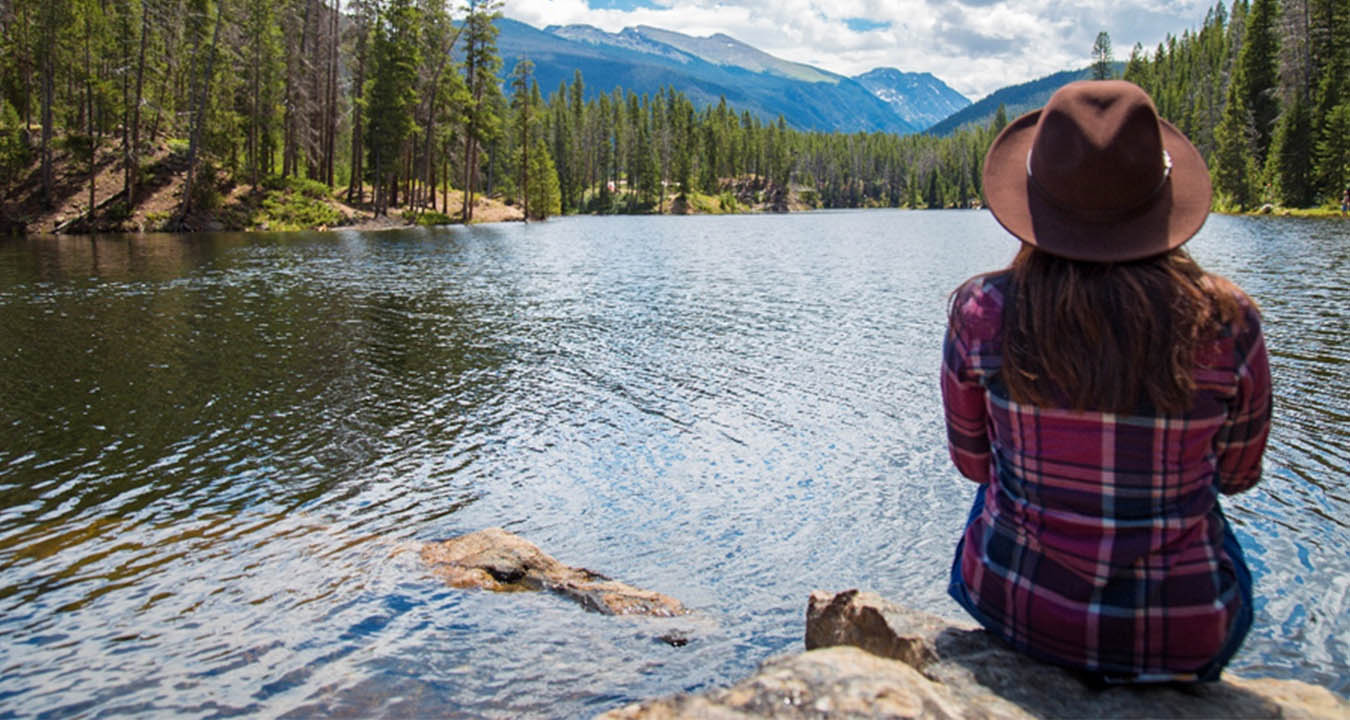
(976, 46)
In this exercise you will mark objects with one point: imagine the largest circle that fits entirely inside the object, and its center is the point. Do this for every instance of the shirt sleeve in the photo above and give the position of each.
(1242, 439)
(963, 397)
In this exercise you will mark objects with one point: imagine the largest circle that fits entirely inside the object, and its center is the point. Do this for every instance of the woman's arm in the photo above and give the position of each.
(1242, 439)
(963, 397)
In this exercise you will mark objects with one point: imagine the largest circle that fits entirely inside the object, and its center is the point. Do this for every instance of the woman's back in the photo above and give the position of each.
(1100, 540)
(1104, 390)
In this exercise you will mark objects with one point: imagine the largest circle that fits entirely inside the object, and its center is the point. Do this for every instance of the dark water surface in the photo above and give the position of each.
(214, 447)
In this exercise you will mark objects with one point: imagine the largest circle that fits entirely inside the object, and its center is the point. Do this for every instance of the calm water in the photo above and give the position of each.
(213, 448)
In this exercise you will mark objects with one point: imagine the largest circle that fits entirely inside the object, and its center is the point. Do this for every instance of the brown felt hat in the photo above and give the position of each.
(1096, 175)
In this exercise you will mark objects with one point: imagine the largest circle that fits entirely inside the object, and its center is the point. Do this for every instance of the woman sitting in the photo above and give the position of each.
(1104, 390)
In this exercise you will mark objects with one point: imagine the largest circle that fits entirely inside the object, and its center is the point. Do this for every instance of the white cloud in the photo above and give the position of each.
(976, 46)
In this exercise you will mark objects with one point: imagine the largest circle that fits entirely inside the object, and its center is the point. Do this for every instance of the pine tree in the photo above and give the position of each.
(1233, 157)
(390, 94)
(1259, 76)
(1329, 28)
(1333, 151)
(1101, 57)
(522, 106)
(1291, 150)
(545, 198)
(480, 75)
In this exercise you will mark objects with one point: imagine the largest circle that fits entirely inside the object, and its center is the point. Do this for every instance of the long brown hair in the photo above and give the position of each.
(1108, 336)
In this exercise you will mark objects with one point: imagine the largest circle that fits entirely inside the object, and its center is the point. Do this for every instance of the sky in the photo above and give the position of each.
(975, 46)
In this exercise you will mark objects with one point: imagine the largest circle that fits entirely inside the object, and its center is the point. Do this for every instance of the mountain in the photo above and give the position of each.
(1016, 99)
(725, 50)
(645, 59)
(919, 98)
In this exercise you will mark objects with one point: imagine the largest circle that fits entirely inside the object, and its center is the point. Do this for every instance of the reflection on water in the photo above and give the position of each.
(215, 450)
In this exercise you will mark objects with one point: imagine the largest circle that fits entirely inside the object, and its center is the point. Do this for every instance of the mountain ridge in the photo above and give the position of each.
(645, 60)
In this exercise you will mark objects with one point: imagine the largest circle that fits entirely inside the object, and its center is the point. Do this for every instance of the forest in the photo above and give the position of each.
(399, 107)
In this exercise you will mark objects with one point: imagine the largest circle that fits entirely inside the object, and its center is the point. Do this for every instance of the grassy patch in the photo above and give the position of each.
(1326, 211)
(427, 218)
(712, 204)
(294, 204)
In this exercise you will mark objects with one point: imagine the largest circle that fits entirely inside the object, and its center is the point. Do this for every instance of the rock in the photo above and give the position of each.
(839, 682)
(496, 560)
(869, 658)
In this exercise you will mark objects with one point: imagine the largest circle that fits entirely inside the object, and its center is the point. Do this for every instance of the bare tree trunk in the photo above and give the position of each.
(204, 89)
(135, 170)
(296, 103)
(467, 211)
(48, 50)
(26, 69)
(89, 116)
(171, 45)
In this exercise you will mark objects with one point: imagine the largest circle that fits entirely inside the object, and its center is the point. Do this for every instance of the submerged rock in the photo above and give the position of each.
(494, 559)
(870, 658)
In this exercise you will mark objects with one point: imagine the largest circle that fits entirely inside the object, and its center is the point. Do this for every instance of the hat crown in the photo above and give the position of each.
(1098, 149)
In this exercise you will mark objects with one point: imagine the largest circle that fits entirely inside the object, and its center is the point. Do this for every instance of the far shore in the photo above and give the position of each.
(282, 205)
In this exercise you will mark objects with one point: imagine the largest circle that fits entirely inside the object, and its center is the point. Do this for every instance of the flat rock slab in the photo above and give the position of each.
(869, 658)
(496, 560)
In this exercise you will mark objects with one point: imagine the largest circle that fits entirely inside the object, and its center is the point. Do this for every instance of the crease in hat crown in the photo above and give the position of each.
(1097, 175)
(1097, 148)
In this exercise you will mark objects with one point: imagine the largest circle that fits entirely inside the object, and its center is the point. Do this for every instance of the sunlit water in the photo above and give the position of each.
(213, 449)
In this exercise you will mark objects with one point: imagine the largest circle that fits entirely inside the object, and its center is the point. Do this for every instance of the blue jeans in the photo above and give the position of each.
(956, 588)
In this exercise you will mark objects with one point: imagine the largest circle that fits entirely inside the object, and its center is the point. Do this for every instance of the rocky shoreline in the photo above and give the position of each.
(867, 657)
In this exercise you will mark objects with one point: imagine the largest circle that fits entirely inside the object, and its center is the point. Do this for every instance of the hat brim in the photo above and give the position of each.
(1167, 221)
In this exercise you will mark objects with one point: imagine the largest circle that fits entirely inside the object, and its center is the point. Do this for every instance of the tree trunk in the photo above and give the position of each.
(89, 116)
(331, 145)
(194, 142)
(49, 42)
(136, 111)
(467, 210)
(355, 187)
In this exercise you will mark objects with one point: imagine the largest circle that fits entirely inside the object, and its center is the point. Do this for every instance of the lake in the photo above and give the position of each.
(213, 448)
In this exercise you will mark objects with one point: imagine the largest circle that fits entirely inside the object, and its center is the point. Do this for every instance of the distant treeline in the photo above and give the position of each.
(398, 101)
(1264, 92)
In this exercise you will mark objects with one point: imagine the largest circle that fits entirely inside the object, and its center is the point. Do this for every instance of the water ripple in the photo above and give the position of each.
(216, 452)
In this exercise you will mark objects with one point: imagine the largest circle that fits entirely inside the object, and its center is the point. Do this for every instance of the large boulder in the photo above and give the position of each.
(869, 658)
(494, 559)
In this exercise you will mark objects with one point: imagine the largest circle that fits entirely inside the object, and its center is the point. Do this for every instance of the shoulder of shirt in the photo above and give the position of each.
(977, 304)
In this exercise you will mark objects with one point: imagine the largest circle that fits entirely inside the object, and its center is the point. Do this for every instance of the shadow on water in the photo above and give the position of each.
(213, 447)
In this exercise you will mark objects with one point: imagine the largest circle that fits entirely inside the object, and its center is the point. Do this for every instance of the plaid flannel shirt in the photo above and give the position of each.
(1100, 542)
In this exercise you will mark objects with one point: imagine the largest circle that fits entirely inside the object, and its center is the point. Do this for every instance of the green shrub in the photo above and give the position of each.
(117, 212)
(428, 218)
(205, 195)
(308, 188)
(178, 147)
(290, 204)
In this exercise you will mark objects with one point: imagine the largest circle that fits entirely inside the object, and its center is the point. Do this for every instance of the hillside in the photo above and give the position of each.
(1016, 99)
(277, 204)
(645, 60)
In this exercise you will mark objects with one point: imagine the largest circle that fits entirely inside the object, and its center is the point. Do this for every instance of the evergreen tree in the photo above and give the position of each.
(1291, 150)
(1233, 162)
(481, 63)
(545, 198)
(1258, 74)
(1101, 57)
(1333, 151)
(523, 106)
(1329, 27)
(390, 95)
